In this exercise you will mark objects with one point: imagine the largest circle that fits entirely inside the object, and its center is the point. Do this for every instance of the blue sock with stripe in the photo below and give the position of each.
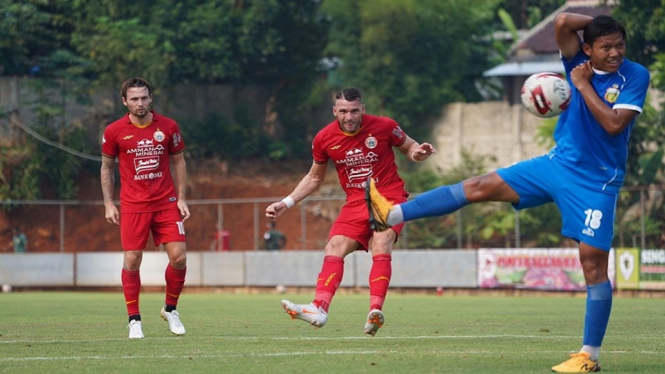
(598, 307)
(436, 202)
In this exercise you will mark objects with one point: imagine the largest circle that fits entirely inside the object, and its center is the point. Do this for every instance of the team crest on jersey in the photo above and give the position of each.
(370, 142)
(159, 136)
(612, 94)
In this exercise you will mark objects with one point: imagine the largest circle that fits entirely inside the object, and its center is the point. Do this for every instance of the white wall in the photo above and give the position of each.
(427, 268)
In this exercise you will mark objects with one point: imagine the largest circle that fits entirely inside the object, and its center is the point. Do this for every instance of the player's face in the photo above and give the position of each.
(349, 114)
(607, 52)
(138, 101)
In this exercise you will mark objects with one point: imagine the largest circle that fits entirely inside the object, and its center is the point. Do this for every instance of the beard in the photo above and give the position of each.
(141, 113)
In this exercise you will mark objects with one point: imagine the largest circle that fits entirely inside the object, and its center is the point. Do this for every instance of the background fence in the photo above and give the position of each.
(239, 224)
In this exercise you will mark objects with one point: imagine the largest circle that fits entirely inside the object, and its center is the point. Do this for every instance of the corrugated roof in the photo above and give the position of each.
(524, 68)
(540, 41)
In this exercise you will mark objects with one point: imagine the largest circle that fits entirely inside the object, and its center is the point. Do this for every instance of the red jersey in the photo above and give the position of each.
(367, 153)
(144, 154)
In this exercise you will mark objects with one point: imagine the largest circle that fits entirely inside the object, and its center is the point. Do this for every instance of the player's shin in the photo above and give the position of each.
(328, 281)
(437, 202)
(175, 280)
(379, 280)
(598, 308)
(131, 286)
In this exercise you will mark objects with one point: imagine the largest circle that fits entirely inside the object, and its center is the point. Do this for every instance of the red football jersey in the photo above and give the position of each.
(368, 153)
(144, 153)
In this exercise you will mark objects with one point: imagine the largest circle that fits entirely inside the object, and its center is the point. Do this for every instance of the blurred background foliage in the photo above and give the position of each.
(410, 57)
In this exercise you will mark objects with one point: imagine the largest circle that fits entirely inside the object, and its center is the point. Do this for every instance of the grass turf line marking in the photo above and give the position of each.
(435, 337)
(298, 338)
(282, 354)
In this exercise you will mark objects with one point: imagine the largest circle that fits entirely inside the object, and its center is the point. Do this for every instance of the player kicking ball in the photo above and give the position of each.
(360, 146)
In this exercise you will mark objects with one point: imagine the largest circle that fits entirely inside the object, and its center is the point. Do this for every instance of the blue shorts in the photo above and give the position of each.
(588, 214)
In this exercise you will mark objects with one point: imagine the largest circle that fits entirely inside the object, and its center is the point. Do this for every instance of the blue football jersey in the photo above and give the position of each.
(583, 147)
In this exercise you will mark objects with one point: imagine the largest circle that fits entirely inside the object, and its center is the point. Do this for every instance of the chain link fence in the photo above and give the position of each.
(239, 224)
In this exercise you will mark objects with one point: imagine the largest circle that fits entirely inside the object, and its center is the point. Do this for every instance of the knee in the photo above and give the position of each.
(178, 258)
(334, 249)
(595, 271)
(179, 262)
(476, 189)
(132, 260)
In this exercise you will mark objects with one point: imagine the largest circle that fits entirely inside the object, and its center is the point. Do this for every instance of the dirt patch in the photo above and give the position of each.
(87, 231)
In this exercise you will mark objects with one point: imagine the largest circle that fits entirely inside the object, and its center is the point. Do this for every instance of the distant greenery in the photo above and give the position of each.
(409, 57)
(482, 224)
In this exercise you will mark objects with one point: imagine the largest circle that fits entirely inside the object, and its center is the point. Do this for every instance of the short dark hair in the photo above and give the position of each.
(350, 94)
(135, 82)
(602, 26)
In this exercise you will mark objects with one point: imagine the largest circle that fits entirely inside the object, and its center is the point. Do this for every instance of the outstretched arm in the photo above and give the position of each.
(307, 185)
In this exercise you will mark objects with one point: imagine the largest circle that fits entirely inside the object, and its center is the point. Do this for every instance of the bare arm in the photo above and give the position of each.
(305, 187)
(566, 26)
(416, 152)
(107, 177)
(180, 183)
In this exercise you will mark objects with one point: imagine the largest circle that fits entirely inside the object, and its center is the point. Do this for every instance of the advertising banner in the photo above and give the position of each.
(555, 269)
(640, 269)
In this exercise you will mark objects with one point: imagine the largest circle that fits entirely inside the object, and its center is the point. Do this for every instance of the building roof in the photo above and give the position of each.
(536, 50)
(540, 39)
(524, 68)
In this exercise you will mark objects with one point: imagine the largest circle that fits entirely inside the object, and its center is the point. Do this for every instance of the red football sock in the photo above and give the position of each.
(175, 280)
(131, 286)
(328, 281)
(379, 280)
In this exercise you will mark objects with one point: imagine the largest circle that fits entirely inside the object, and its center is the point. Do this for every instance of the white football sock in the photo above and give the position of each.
(395, 216)
(594, 352)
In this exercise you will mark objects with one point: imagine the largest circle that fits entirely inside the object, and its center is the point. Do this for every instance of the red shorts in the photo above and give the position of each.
(353, 222)
(166, 226)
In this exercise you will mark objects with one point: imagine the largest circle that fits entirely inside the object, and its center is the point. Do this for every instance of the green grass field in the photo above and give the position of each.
(70, 332)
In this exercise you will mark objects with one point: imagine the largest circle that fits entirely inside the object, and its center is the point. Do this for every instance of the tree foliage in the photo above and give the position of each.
(411, 57)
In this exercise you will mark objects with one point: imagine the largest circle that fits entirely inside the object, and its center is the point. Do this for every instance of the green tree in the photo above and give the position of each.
(31, 31)
(411, 57)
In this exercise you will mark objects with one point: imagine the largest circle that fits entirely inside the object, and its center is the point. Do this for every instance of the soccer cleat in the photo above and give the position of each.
(173, 318)
(374, 322)
(578, 363)
(135, 330)
(378, 207)
(310, 313)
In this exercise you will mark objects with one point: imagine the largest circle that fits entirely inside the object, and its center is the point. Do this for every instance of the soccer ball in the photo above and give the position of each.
(546, 94)
(280, 288)
(6, 287)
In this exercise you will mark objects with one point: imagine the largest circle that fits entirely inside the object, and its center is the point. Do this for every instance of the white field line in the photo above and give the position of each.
(300, 338)
(283, 354)
(433, 337)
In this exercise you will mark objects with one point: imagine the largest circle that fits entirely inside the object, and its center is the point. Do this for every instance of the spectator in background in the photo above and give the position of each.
(19, 241)
(274, 239)
(221, 241)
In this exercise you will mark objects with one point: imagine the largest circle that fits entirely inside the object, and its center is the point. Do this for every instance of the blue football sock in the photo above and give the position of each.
(437, 202)
(598, 307)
